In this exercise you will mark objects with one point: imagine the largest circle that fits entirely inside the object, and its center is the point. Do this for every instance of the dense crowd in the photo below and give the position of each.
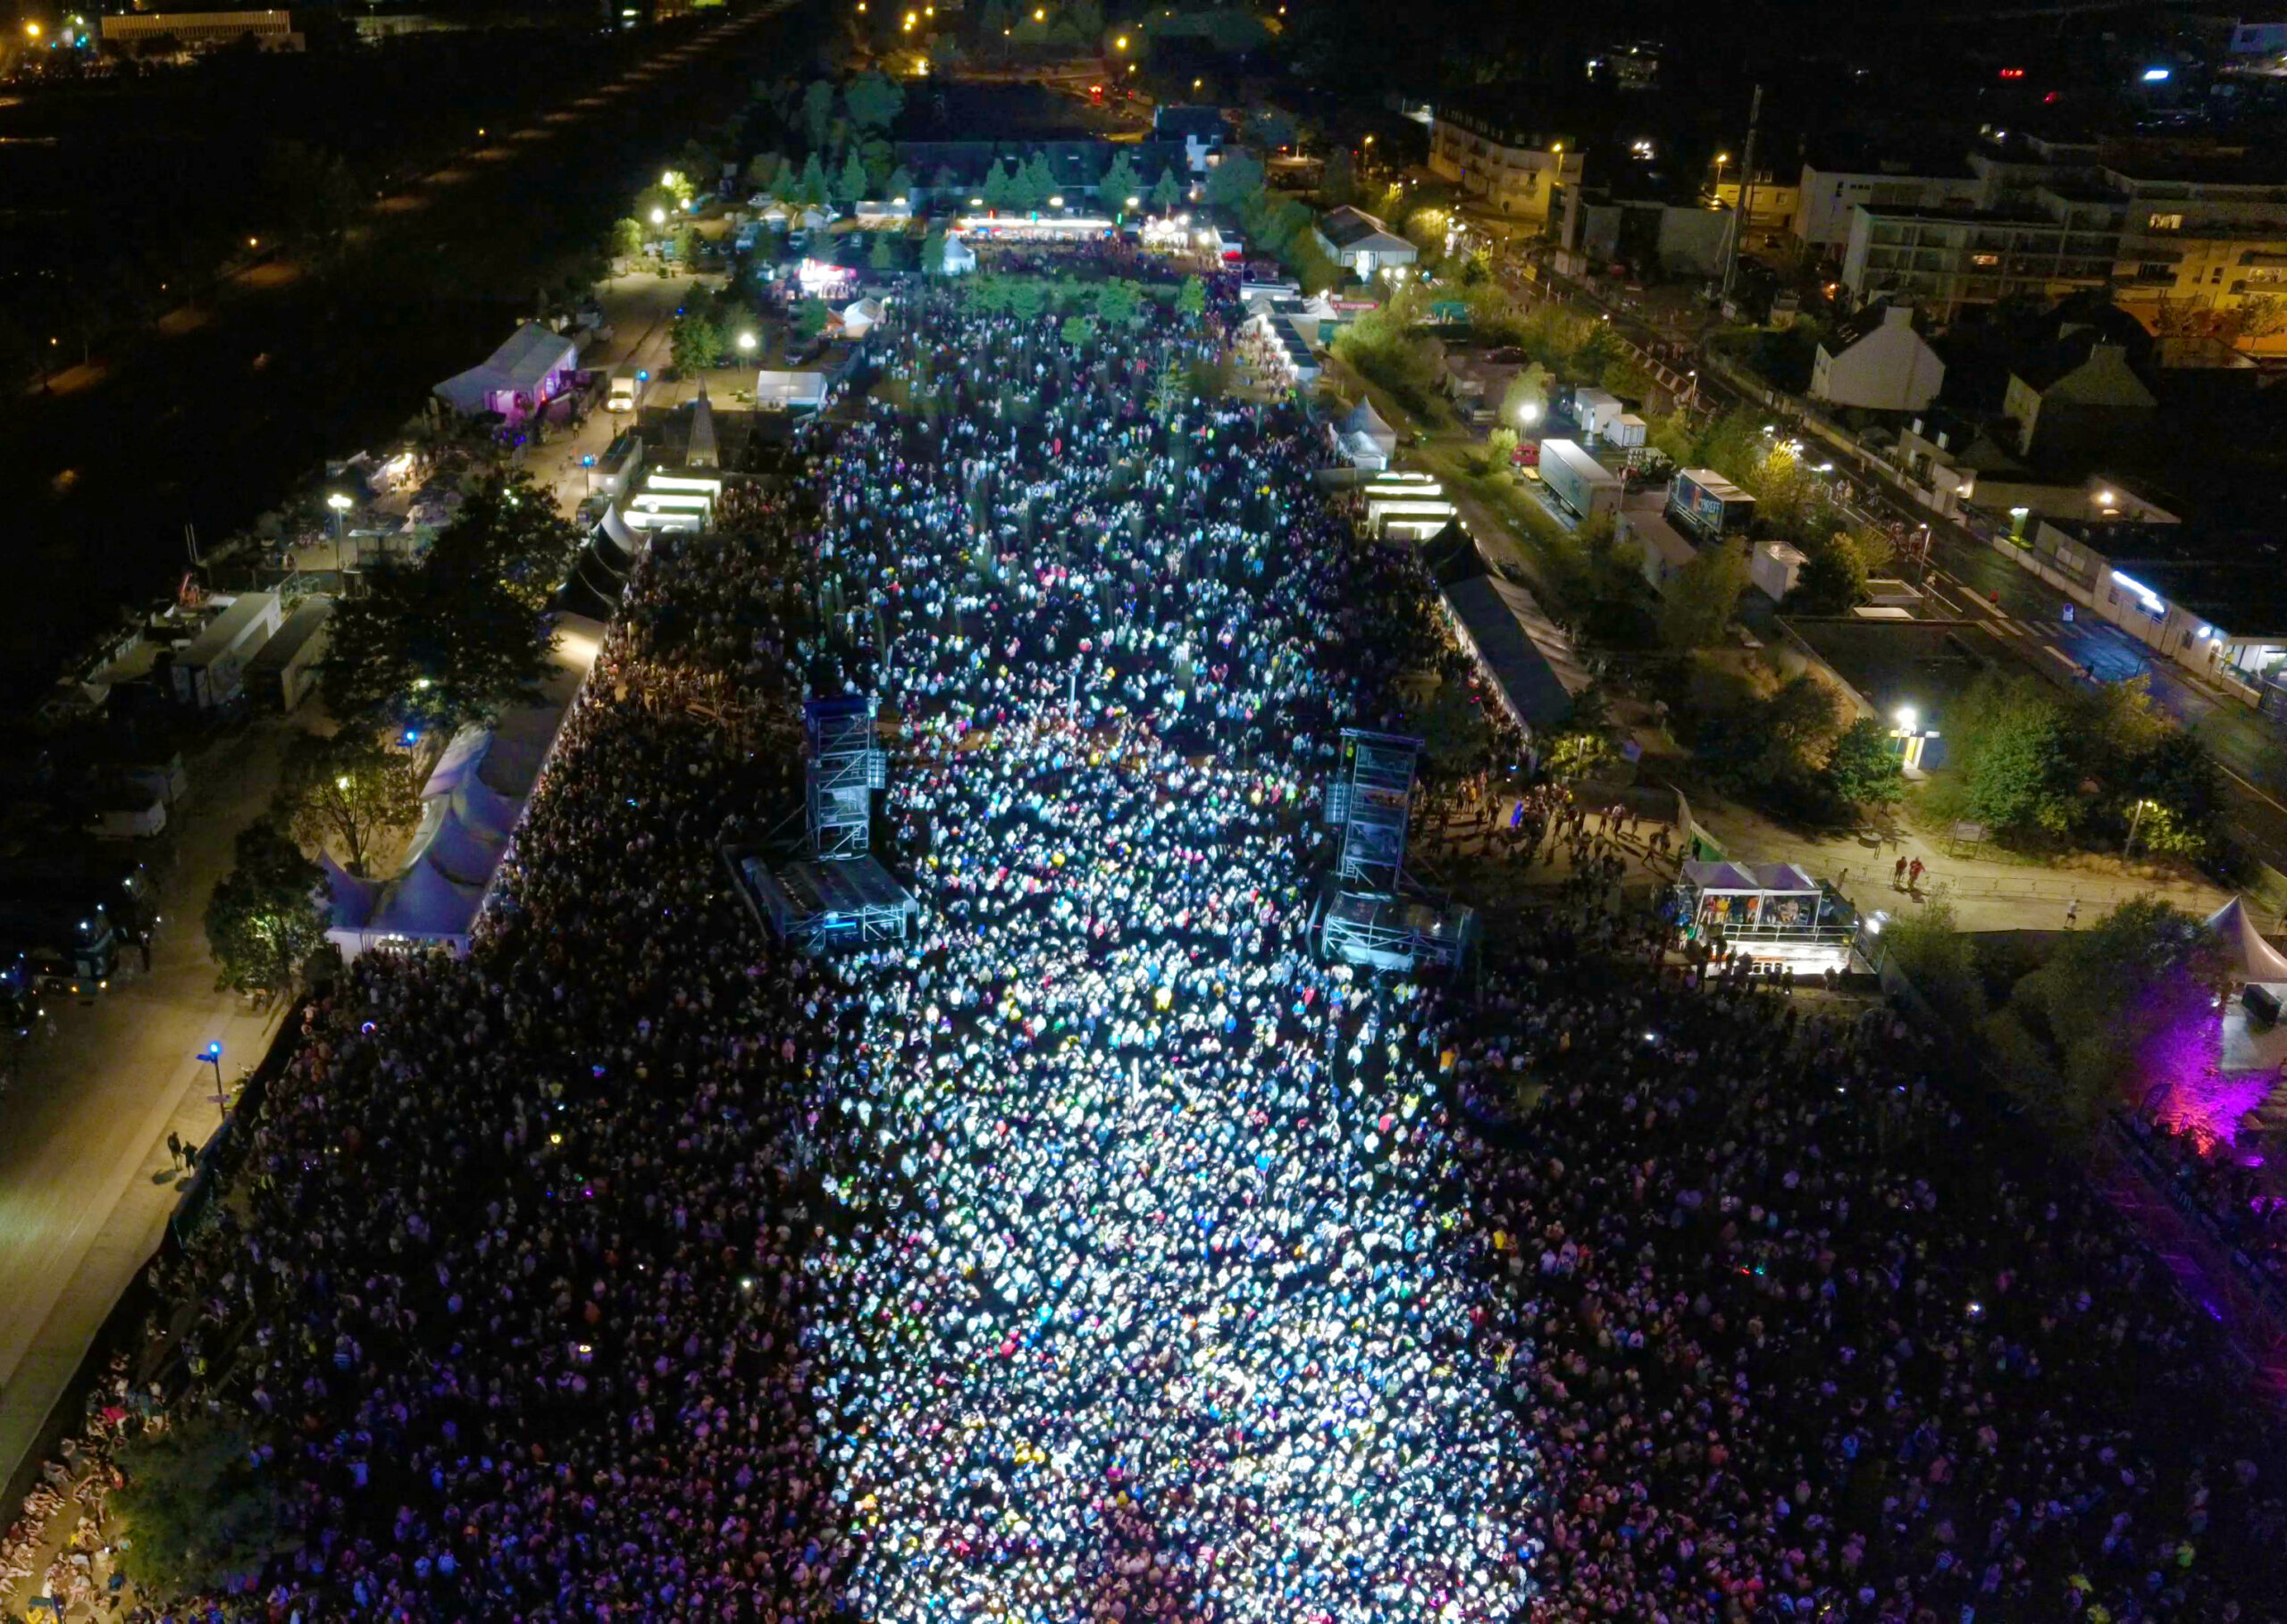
(1097, 1252)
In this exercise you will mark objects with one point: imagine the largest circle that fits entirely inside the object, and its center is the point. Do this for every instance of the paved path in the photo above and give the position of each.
(1985, 895)
(86, 1185)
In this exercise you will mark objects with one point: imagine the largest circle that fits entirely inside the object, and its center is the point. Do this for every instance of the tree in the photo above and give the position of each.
(1699, 602)
(1077, 329)
(628, 237)
(695, 344)
(766, 169)
(263, 920)
(346, 793)
(809, 187)
(1861, 770)
(1236, 178)
(850, 186)
(2010, 750)
(458, 636)
(1167, 191)
(810, 318)
(817, 113)
(1939, 960)
(1525, 402)
(2087, 1023)
(933, 253)
(883, 254)
(1191, 298)
(874, 101)
(1000, 189)
(311, 189)
(1339, 180)
(1038, 181)
(201, 1506)
(1120, 183)
(900, 186)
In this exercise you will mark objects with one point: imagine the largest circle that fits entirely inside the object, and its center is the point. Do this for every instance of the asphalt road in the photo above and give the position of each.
(85, 1181)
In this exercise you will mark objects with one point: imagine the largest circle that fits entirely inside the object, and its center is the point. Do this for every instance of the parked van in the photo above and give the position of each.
(627, 391)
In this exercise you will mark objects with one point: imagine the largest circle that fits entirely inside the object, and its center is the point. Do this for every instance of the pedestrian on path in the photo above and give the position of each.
(1913, 875)
(174, 1148)
(2072, 914)
(1897, 875)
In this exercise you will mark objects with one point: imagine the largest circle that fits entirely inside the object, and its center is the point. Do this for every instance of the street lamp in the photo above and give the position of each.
(1906, 717)
(747, 342)
(212, 1056)
(658, 216)
(341, 505)
(2135, 823)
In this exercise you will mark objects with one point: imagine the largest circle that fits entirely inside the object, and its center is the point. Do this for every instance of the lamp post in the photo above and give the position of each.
(2134, 823)
(341, 505)
(747, 342)
(212, 1056)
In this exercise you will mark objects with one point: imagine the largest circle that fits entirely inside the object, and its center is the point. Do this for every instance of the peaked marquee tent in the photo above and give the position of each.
(533, 367)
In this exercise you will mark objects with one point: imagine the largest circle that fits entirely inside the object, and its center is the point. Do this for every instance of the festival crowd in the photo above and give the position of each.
(1097, 1252)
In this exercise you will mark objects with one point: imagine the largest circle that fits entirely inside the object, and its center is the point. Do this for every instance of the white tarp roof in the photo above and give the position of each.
(463, 831)
(790, 388)
(1364, 420)
(519, 366)
(860, 315)
(2251, 957)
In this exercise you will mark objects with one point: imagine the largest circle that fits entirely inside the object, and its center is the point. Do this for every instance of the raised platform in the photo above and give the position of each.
(1393, 933)
(823, 907)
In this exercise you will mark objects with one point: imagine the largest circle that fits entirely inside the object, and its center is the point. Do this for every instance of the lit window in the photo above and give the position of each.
(2165, 223)
(1985, 259)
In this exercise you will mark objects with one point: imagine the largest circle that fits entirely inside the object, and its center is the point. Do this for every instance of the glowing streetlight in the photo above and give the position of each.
(1056, 203)
(31, 30)
(342, 783)
(1529, 412)
(658, 216)
(1906, 717)
(1120, 44)
(668, 180)
(747, 342)
(1039, 13)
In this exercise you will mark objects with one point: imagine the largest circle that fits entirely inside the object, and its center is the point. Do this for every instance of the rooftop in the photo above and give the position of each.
(2236, 578)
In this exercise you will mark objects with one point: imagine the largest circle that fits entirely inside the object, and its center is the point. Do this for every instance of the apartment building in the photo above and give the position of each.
(1515, 172)
(1825, 197)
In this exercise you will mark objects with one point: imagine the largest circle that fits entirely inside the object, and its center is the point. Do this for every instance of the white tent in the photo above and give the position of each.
(789, 391)
(433, 899)
(2251, 957)
(960, 259)
(527, 372)
(1364, 428)
(859, 317)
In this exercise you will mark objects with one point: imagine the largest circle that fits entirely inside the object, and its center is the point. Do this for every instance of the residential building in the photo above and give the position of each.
(1202, 130)
(1596, 230)
(1633, 66)
(1514, 171)
(2208, 599)
(2178, 229)
(1358, 242)
(1826, 196)
(1771, 204)
(1941, 259)
(2258, 39)
(137, 33)
(2076, 397)
(1878, 362)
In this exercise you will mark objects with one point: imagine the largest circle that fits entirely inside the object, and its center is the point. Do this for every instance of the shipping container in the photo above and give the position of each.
(1581, 484)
